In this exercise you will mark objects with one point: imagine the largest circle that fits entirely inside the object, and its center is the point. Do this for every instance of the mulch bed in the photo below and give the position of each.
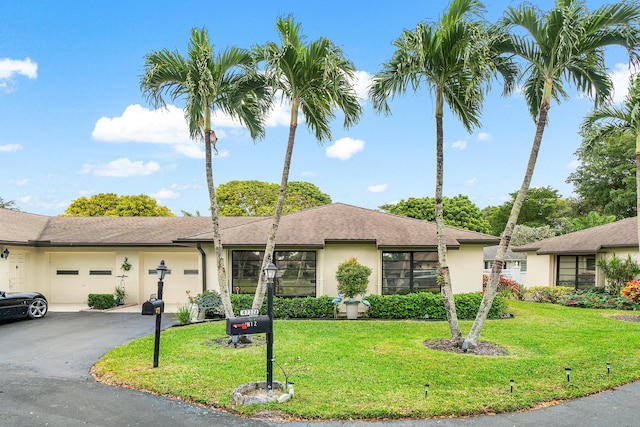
(627, 317)
(483, 349)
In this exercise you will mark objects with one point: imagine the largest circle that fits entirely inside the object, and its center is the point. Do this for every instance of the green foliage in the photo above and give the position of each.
(596, 298)
(183, 314)
(289, 308)
(632, 291)
(507, 288)
(542, 206)
(605, 179)
(428, 305)
(352, 278)
(110, 204)
(208, 301)
(550, 294)
(458, 211)
(523, 234)
(257, 198)
(618, 272)
(593, 219)
(101, 301)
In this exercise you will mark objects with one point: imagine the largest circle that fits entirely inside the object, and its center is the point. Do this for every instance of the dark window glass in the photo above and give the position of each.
(578, 271)
(296, 272)
(67, 272)
(406, 272)
(191, 272)
(155, 272)
(99, 272)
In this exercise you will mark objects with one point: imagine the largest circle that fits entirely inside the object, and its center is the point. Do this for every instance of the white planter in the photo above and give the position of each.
(352, 309)
(193, 312)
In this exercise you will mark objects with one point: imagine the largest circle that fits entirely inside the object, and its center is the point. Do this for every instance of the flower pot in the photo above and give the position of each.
(352, 309)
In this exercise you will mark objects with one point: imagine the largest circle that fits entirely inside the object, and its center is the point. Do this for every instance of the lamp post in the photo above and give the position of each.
(270, 272)
(161, 270)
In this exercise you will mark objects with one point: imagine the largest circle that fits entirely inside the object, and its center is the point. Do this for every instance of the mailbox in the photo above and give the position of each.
(248, 325)
(153, 307)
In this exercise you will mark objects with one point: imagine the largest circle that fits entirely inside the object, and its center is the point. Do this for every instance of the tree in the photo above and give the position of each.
(110, 204)
(315, 79)
(618, 272)
(563, 45)
(541, 206)
(455, 58)
(9, 204)
(605, 180)
(593, 219)
(523, 234)
(458, 211)
(226, 81)
(615, 120)
(257, 198)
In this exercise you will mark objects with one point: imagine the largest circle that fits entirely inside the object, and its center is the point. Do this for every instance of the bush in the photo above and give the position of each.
(428, 305)
(598, 299)
(183, 314)
(551, 294)
(210, 302)
(285, 308)
(101, 301)
(632, 291)
(507, 288)
(352, 278)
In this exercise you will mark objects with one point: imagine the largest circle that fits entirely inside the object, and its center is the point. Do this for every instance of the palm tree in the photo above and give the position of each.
(561, 46)
(456, 58)
(612, 120)
(315, 78)
(206, 81)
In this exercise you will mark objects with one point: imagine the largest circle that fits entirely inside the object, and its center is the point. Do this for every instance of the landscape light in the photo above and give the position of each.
(567, 371)
(511, 382)
(608, 367)
(426, 390)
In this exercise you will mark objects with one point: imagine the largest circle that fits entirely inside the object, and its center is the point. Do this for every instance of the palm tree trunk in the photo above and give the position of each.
(271, 241)
(498, 263)
(638, 186)
(217, 241)
(444, 276)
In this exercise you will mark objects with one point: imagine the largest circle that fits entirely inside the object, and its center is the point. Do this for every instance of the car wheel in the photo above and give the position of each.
(38, 308)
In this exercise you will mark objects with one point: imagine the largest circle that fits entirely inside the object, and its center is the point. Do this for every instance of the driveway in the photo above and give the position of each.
(45, 381)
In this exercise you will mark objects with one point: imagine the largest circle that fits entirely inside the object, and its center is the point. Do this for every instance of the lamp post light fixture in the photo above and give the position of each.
(511, 383)
(270, 271)
(608, 367)
(567, 370)
(162, 271)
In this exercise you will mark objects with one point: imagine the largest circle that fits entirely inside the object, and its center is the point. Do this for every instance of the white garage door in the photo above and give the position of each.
(73, 276)
(183, 275)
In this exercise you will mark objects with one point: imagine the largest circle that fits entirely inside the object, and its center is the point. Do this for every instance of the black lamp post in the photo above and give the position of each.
(161, 270)
(270, 272)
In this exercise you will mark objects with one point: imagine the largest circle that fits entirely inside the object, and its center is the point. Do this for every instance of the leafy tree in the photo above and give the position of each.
(110, 204)
(523, 234)
(593, 219)
(226, 81)
(605, 180)
(458, 211)
(314, 78)
(257, 198)
(8, 204)
(564, 45)
(611, 120)
(541, 206)
(455, 58)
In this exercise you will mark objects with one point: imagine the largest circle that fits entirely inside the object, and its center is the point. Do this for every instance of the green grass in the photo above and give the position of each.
(378, 369)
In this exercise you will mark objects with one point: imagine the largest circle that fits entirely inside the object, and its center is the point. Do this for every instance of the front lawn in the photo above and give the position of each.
(378, 369)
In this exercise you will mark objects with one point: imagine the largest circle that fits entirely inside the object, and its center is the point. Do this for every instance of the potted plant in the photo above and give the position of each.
(353, 279)
(120, 294)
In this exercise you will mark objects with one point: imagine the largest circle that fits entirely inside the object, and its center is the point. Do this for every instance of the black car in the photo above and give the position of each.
(22, 304)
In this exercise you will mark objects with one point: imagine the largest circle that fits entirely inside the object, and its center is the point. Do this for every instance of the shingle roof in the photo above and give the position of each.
(311, 227)
(623, 233)
(339, 222)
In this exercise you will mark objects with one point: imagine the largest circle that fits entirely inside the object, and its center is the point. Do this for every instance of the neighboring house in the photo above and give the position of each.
(515, 264)
(571, 259)
(67, 258)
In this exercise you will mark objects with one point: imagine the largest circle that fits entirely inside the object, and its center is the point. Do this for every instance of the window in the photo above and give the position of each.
(99, 272)
(67, 272)
(296, 272)
(191, 272)
(154, 272)
(406, 272)
(578, 271)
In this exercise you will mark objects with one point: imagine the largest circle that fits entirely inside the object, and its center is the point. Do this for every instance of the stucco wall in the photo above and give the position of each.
(540, 270)
(466, 266)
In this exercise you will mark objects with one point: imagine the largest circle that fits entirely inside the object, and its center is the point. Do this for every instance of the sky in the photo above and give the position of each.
(73, 121)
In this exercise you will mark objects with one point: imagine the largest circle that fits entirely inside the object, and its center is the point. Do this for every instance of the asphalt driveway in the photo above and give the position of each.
(45, 381)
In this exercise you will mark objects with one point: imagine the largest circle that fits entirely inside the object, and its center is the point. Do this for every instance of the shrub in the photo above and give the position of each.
(429, 305)
(210, 302)
(101, 301)
(598, 299)
(551, 294)
(618, 271)
(507, 288)
(183, 314)
(284, 308)
(632, 291)
(352, 278)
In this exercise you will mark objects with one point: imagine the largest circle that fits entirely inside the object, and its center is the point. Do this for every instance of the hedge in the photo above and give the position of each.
(101, 301)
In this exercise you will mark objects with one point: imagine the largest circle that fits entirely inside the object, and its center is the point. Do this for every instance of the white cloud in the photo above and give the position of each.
(620, 77)
(484, 136)
(25, 199)
(11, 67)
(471, 182)
(361, 84)
(21, 182)
(193, 150)
(308, 173)
(121, 168)
(280, 115)
(377, 188)
(164, 194)
(9, 148)
(573, 164)
(459, 145)
(345, 148)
